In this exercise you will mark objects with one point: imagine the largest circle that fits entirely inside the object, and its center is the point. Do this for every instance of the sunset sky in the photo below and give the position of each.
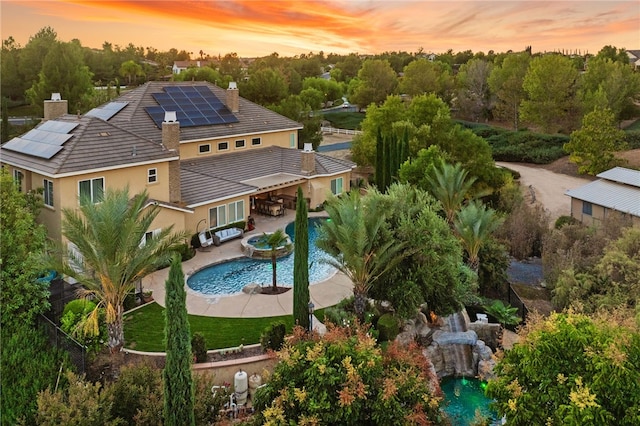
(259, 28)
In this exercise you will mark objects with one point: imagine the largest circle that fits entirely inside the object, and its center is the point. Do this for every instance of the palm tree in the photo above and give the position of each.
(107, 252)
(474, 225)
(450, 185)
(275, 240)
(351, 236)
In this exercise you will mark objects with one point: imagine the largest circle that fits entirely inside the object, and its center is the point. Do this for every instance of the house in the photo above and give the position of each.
(179, 66)
(616, 190)
(205, 155)
(634, 58)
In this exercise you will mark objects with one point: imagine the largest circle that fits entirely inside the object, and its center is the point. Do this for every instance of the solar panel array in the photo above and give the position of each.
(194, 106)
(45, 141)
(107, 111)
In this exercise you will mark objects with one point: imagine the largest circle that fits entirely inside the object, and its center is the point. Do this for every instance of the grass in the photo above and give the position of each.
(344, 120)
(144, 329)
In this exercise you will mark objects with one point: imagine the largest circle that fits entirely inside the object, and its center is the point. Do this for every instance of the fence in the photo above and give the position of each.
(61, 340)
(333, 130)
(515, 301)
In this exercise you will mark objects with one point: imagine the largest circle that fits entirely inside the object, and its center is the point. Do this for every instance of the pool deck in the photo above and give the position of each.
(323, 294)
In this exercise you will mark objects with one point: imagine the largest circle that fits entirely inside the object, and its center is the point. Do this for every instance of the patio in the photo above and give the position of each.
(326, 293)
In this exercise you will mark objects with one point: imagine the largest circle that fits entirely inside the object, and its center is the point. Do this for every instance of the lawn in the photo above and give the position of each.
(344, 120)
(144, 329)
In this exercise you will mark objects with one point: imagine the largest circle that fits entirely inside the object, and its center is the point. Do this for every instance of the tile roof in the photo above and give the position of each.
(222, 176)
(96, 144)
(253, 118)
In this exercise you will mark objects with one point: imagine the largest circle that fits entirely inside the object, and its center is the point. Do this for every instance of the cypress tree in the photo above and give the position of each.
(301, 264)
(178, 383)
(379, 161)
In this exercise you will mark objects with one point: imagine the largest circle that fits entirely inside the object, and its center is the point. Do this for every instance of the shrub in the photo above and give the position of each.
(73, 322)
(524, 229)
(199, 347)
(527, 147)
(565, 220)
(273, 336)
(388, 328)
(632, 138)
(78, 307)
(137, 394)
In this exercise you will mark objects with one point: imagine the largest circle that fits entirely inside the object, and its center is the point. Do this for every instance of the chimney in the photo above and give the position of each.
(308, 163)
(233, 97)
(55, 107)
(171, 140)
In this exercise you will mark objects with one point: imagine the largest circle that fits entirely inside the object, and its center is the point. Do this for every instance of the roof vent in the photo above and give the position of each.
(308, 147)
(170, 117)
(233, 85)
(56, 97)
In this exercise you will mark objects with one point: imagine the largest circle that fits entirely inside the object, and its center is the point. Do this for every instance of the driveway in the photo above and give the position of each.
(548, 187)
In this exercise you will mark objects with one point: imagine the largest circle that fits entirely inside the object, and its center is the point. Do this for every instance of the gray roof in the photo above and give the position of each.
(615, 196)
(218, 177)
(252, 118)
(622, 175)
(95, 144)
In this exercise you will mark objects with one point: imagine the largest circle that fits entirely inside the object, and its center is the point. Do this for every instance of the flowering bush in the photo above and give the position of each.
(345, 378)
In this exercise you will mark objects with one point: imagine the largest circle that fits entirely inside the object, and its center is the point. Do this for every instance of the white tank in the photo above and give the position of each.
(254, 383)
(241, 386)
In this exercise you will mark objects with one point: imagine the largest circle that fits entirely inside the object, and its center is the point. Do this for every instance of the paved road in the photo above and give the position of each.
(549, 187)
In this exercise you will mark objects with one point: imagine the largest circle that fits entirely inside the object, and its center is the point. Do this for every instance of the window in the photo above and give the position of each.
(223, 146)
(217, 216)
(203, 149)
(236, 211)
(336, 186)
(18, 176)
(91, 190)
(48, 192)
(240, 143)
(256, 141)
(152, 175)
(292, 140)
(587, 208)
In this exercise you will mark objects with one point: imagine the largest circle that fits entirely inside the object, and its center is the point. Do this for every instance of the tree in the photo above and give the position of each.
(376, 80)
(614, 54)
(423, 77)
(110, 252)
(431, 270)
(32, 56)
(296, 108)
(63, 71)
(551, 85)
(351, 237)
(505, 81)
(593, 146)
(4, 131)
(474, 225)
(202, 74)
(609, 84)
(265, 86)
(571, 369)
(22, 297)
(131, 70)
(301, 264)
(275, 240)
(12, 85)
(347, 68)
(474, 97)
(345, 378)
(178, 383)
(230, 65)
(450, 185)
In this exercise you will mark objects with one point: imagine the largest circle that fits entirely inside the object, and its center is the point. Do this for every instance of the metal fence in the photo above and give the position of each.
(61, 340)
(515, 301)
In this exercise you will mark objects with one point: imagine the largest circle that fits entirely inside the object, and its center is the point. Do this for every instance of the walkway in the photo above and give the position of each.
(323, 294)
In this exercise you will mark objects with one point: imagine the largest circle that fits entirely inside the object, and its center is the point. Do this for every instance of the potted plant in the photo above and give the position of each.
(147, 295)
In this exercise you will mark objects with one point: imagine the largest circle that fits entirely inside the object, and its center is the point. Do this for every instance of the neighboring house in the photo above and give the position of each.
(204, 154)
(617, 191)
(634, 58)
(179, 66)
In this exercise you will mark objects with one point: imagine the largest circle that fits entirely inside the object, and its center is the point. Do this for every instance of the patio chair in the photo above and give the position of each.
(204, 241)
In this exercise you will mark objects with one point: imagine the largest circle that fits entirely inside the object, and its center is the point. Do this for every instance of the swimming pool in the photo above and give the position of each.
(230, 277)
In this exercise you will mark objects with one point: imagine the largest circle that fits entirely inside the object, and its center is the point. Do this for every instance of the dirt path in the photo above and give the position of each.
(548, 187)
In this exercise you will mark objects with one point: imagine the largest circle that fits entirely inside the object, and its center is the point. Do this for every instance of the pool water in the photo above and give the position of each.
(463, 397)
(230, 277)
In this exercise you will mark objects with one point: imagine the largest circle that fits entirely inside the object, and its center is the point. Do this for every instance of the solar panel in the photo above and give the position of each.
(36, 149)
(107, 111)
(194, 106)
(58, 126)
(51, 138)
